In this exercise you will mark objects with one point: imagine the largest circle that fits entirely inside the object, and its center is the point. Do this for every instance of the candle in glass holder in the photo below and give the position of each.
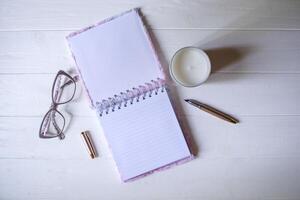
(190, 66)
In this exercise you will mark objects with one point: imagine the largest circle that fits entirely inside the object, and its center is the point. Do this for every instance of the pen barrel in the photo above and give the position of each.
(218, 114)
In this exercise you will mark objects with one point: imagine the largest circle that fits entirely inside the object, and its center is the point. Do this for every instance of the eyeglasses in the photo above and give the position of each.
(63, 91)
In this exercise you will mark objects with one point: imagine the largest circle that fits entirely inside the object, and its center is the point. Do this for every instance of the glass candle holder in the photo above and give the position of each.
(190, 67)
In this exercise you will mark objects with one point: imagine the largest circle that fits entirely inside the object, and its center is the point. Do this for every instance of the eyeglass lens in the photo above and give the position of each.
(53, 124)
(63, 89)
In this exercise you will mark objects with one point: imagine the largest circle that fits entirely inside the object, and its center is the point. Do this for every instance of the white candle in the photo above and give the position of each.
(190, 66)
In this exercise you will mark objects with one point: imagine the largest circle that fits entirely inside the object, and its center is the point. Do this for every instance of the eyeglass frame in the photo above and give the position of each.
(54, 105)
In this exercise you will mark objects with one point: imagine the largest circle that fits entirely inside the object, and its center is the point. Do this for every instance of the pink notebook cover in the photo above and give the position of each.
(125, 85)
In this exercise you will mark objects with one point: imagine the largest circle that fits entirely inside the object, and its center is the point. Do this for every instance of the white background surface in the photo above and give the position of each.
(255, 51)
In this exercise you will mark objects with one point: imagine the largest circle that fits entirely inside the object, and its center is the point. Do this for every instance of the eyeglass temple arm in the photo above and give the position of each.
(50, 119)
(75, 78)
(54, 122)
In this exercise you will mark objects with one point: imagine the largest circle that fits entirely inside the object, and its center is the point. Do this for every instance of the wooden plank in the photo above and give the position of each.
(246, 94)
(255, 137)
(160, 14)
(239, 94)
(33, 52)
(254, 47)
(256, 178)
(230, 51)
(22, 141)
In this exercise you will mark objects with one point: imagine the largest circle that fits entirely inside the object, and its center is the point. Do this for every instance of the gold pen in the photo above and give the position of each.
(89, 144)
(212, 111)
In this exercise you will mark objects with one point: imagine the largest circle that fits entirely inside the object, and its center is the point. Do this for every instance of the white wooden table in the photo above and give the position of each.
(255, 50)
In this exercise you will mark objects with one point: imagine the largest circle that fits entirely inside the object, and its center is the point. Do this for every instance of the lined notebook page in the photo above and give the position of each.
(144, 136)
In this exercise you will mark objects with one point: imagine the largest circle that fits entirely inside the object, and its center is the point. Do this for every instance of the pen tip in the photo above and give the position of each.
(186, 100)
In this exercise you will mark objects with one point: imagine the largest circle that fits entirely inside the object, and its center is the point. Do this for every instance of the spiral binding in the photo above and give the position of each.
(124, 99)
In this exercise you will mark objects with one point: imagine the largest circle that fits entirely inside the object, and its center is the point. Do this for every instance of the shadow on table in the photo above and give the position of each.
(224, 57)
(227, 59)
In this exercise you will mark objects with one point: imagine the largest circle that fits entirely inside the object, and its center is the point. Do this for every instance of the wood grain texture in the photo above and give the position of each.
(160, 14)
(258, 178)
(230, 51)
(240, 94)
(254, 47)
(214, 138)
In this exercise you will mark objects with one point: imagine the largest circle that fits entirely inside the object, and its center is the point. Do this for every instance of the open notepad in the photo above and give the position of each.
(125, 84)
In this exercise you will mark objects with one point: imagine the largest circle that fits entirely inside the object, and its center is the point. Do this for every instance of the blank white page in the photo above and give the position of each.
(114, 56)
(144, 136)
